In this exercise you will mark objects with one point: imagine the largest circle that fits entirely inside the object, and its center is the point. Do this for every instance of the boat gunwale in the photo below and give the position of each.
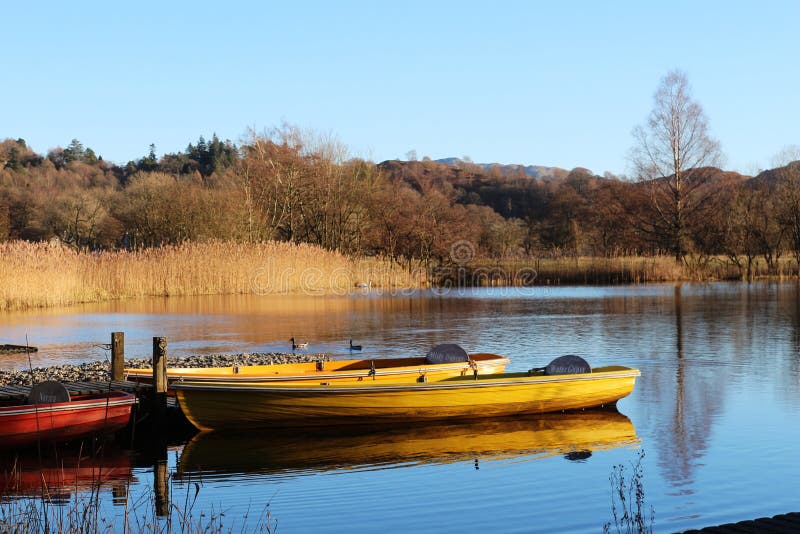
(486, 381)
(180, 374)
(78, 404)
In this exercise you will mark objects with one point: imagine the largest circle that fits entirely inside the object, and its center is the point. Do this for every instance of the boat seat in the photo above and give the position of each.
(569, 364)
(446, 353)
(48, 392)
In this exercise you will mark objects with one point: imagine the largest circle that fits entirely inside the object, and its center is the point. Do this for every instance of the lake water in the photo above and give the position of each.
(716, 410)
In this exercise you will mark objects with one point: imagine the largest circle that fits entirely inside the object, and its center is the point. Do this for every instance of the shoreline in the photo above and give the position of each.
(585, 280)
(101, 370)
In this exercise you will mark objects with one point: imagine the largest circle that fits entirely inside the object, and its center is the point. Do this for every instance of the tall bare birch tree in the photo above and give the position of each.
(671, 157)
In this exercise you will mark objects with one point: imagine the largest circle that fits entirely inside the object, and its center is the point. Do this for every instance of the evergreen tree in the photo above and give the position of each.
(149, 163)
(75, 151)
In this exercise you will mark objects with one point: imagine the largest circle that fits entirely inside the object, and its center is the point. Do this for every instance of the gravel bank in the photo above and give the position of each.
(101, 370)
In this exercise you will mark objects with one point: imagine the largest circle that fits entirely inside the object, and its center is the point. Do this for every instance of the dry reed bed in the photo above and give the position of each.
(613, 270)
(619, 270)
(575, 270)
(50, 274)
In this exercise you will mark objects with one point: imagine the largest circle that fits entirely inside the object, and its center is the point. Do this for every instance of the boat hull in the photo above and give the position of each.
(386, 369)
(62, 421)
(223, 405)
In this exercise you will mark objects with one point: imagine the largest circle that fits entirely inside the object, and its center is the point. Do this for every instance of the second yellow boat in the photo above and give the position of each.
(434, 366)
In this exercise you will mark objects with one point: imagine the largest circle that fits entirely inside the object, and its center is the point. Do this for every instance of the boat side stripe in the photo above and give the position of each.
(286, 378)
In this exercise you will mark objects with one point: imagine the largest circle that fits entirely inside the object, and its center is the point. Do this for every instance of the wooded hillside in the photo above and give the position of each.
(291, 185)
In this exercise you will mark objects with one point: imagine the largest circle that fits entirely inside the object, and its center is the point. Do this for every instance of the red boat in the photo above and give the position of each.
(63, 420)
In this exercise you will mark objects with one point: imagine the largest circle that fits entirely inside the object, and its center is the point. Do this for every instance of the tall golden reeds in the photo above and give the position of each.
(51, 274)
(613, 270)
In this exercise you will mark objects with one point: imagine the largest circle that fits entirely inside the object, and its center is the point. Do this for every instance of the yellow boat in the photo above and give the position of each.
(386, 369)
(574, 435)
(217, 405)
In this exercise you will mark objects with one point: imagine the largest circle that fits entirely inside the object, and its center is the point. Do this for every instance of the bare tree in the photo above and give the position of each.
(787, 201)
(786, 155)
(5, 223)
(271, 181)
(751, 228)
(672, 152)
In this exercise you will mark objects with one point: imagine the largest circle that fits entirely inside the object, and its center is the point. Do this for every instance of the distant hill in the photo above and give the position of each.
(770, 176)
(507, 189)
(534, 171)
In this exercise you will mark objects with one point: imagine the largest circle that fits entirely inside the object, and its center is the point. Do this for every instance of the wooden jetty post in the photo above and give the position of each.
(160, 381)
(117, 356)
(160, 467)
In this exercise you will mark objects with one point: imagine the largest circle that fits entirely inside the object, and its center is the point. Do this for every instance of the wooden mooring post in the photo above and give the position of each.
(160, 382)
(117, 356)
(160, 468)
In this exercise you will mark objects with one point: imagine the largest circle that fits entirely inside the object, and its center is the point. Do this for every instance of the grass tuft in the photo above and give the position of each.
(628, 511)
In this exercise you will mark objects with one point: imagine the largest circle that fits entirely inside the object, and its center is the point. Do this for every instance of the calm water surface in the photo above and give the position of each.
(717, 409)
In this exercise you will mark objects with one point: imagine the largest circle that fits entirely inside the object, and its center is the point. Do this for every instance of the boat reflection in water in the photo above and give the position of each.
(62, 471)
(295, 452)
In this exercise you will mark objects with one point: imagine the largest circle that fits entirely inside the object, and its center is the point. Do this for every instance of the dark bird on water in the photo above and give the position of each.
(296, 345)
(354, 347)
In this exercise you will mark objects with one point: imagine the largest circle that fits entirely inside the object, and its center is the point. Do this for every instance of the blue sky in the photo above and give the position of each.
(545, 83)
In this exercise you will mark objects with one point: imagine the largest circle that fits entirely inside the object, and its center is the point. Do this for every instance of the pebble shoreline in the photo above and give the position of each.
(101, 370)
